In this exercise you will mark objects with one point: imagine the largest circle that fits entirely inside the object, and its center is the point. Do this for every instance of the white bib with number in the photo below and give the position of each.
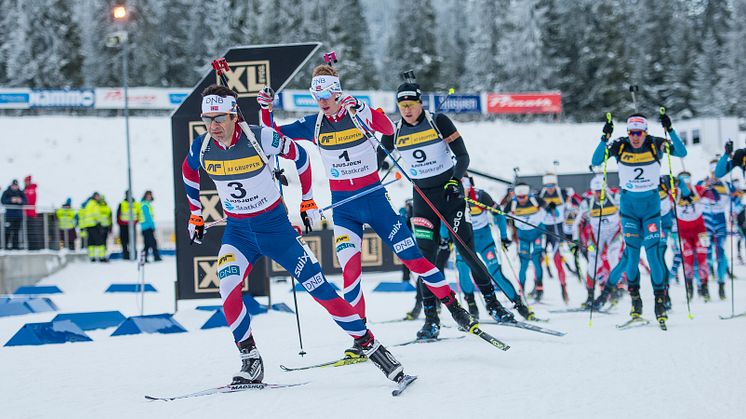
(639, 178)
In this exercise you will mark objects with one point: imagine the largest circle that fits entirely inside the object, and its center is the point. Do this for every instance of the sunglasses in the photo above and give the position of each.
(551, 185)
(208, 120)
(406, 104)
(326, 93)
(635, 133)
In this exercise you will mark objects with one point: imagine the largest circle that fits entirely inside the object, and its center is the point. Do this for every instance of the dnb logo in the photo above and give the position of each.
(206, 279)
(247, 78)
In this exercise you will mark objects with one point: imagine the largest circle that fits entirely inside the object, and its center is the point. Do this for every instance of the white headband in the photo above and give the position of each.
(521, 190)
(637, 123)
(215, 103)
(330, 83)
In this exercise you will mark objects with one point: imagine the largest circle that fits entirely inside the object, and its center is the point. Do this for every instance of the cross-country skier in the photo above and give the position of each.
(694, 237)
(554, 202)
(351, 164)
(638, 157)
(529, 208)
(257, 224)
(426, 143)
(716, 197)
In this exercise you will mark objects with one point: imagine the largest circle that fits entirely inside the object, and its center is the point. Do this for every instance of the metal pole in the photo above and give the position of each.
(131, 222)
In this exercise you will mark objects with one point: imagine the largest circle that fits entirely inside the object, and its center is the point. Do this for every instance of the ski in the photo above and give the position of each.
(734, 316)
(578, 310)
(410, 342)
(403, 384)
(231, 388)
(633, 322)
(528, 326)
(475, 330)
(336, 363)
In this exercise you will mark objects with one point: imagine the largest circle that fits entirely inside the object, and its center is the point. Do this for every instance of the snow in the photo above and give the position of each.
(72, 157)
(692, 370)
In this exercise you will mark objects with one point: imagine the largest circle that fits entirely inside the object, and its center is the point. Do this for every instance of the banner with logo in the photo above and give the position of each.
(140, 97)
(457, 103)
(252, 68)
(524, 103)
(14, 98)
(62, 98)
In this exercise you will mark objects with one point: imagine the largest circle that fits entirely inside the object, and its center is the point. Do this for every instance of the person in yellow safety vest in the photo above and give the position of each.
(123, 216)
(104, 219)
(66, 220)
(88, 218)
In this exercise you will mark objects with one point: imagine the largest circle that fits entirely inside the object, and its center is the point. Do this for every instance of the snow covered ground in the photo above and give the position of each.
(694, 370)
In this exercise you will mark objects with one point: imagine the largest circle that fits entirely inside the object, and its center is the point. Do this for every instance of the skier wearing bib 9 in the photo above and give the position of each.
(715, 200)
(551, 194)
(638, 157)
(351, 164)
(235, 156)
(426, 143)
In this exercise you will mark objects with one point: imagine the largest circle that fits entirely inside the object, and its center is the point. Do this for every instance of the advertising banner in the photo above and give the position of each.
(62, 98)
(524, 103)
(14, 98)
(140, 97)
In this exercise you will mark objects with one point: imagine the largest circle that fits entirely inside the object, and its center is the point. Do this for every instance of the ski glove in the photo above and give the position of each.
(729, 147)
(265, 97)
(666, 122)
(385, 165)
(608, 130)
(349, 102)
(452, 191)
(506, 242)
(196, 228)
(310, 214)
(551, 207)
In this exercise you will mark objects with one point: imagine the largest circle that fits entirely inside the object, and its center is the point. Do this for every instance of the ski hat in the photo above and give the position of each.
(637, 123)
(409, 91)
(597, 183)
(324, 87)
(215, 103)
(521, 189)
(549, 179)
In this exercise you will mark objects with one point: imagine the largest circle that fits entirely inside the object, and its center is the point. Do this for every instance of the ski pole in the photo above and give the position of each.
(732, 275)
(676, 215)
(361, 194)
(597, 248)
(488, 176)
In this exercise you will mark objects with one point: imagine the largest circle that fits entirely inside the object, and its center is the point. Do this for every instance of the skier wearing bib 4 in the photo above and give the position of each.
(525, 206)
(551, 194)
(694, 237)
(235, 156)
(638, 158)
(351, 164)
(716, 197)
(426, 143)
(606, 237)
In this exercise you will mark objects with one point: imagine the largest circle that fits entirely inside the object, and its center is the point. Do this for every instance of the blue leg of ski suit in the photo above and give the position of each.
(718, 235)
(530, 250)
(484, 244)
(641, 225)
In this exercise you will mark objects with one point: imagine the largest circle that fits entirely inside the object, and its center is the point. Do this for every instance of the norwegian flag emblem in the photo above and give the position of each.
(214, 108)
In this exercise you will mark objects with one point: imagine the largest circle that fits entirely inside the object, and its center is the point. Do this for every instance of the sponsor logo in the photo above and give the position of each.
(490, 255)
(421, 233)
(14, 98)
(228, 257)
(395, 230)
(524, 103)
(645, 157)
(233, 167)
(314, 282)
(652, 228)
(213, 100)
(275, 139)
(334, 172)
(342, 238)
(301, 264)
(343, 246)
(457, 220)
(228, 271)
(338, 138)
(403, 245)
(62, 98)
(628, 235)
(176, 98)
(247, 78)
(422, 222)
(417, 138)
(206, 278)
(413, 172)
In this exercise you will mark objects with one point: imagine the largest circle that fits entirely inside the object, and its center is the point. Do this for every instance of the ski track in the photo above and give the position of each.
(690, 371)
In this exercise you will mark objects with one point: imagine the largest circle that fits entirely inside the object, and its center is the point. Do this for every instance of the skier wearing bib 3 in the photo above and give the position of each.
(638, 157)
(426, 143)
(236, 159)
(351, 164)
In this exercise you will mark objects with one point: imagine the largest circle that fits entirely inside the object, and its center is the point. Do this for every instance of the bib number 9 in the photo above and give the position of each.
(420, 156)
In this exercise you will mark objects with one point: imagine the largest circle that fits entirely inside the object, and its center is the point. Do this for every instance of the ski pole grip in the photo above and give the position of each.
(608, 117)
(662, 110)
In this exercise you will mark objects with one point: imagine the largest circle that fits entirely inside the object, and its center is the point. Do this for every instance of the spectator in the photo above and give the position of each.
(104, 222)
(66, 220)
(89, 219)
(123, 216)
(34, 224)
(148, 227)
(14, 198)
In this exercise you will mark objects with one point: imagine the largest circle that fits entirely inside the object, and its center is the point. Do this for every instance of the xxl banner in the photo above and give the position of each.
(252, 68)
(524, 103)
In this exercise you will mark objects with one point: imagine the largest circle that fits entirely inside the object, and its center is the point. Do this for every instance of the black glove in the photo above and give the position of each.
(608, 130)
(729, 147)
(385, 165)
(666, 122)
(574, 247)
(281, 177)
(551, 206)
(506, 242)
(452, 191)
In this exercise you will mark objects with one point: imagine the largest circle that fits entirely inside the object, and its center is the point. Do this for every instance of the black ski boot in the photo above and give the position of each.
(704, 292)
(472, 304)
(416, 310)
(539, 292)
(252, 367)
(721, 290)
(600, 301)
(496, 310)
(431, 328)
(667, 299)
(381, 356)
(355, 351)
(588, 301)
(634, 293)
(524, 310)
(689, 288)
(660, 308)
(460, 315)
(565, 297)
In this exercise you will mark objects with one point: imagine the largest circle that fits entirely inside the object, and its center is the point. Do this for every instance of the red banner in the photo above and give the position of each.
(522, 103)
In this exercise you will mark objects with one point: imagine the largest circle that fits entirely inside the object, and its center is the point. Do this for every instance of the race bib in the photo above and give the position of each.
(639, 178)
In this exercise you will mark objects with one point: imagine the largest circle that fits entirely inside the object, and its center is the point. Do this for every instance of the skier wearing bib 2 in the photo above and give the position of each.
(236, 159)
(351, 164)
(426, 143)
(638, 157)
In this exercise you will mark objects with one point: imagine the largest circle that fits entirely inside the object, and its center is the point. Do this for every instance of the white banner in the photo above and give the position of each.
(140, 97)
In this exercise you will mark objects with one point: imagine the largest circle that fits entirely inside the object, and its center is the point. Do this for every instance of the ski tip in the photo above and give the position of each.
(691, 316)
(590, 323)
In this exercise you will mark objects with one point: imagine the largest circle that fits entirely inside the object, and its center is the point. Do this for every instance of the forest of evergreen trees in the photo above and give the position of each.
(687, 54)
